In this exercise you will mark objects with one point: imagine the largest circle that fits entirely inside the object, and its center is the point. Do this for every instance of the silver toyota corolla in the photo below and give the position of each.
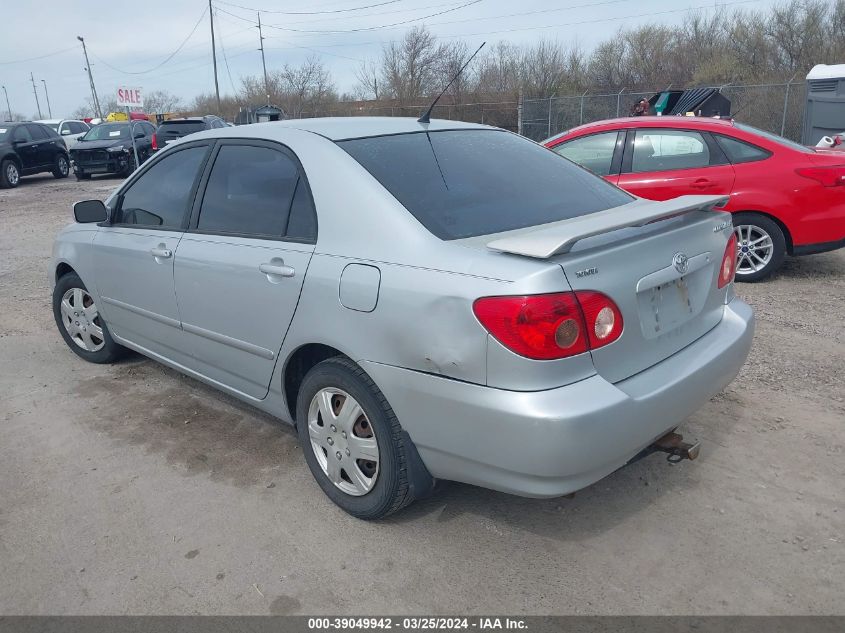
(424, 301)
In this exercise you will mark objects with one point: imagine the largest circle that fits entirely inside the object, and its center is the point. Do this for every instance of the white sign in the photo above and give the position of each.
(130, 97)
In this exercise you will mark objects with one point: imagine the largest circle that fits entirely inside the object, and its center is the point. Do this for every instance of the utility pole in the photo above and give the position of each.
(35, 92)
(263, 63)
(91, 79)
(47, 94)
(8, 107)
(214, 55)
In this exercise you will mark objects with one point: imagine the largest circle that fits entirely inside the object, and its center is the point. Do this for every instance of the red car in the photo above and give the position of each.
(787, 199)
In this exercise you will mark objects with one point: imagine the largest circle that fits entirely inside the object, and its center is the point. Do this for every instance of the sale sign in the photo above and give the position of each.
(130, 97)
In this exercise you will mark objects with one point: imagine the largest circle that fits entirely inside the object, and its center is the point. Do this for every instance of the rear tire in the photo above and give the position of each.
(80, 323)
(10, 175)
(332, 432)
(62, 167)
(761, 246)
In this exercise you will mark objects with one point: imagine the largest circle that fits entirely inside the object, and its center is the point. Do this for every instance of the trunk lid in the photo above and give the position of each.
(660, 268)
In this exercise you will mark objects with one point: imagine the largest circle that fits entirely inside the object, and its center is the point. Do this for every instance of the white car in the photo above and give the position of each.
(70, 130)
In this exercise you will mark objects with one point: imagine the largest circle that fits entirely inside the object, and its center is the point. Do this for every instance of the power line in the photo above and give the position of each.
(369, 6)
(167, 59)
(226, 61)
(32, 59)
(376, 28)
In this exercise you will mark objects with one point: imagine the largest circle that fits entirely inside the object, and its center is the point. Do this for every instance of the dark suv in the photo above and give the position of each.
(107, 149)
(30, 148)
(173, 129)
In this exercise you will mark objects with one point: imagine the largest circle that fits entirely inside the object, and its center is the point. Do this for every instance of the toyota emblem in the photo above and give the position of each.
(681, 262)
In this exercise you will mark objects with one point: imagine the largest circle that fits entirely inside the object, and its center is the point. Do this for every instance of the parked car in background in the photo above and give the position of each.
(107, 149)
(786, 199)
(174, 129)
(70, 130)
(567, 324)
(30, 148)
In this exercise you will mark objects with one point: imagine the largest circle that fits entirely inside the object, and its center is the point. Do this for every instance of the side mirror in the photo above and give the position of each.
(90, 211)
(65, 132)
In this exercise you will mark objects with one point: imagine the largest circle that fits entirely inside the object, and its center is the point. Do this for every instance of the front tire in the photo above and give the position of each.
(80, 323)
(760, 246)
(62, 167)
(352, 440)
(10, 175)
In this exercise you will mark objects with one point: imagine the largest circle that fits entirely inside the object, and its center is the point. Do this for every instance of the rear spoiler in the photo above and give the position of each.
(559, 237)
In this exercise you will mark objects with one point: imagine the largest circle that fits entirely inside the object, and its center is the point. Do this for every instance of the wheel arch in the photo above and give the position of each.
(786, 234)
(300, 362)
(62, 269)
(14, 158)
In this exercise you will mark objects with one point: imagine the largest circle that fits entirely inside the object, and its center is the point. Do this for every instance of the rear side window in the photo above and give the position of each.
(161, 195)
(664, 150)
(463, 183)
(595, 152)
(251, 191)
(740, 152)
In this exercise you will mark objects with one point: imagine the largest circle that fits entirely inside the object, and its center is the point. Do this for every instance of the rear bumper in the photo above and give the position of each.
(553, 442)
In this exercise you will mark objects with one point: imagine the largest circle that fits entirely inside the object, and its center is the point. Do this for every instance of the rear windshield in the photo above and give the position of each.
(464, 183)
(774, 138)
(181, 127)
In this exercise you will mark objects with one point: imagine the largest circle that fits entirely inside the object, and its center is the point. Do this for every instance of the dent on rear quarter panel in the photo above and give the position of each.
(423, 319)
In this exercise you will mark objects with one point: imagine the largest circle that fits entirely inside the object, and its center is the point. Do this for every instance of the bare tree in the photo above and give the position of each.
(409, 67)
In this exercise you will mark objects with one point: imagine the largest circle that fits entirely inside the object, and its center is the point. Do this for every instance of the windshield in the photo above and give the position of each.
(54, 126)
(107, 132)
(464, 183)
(774, 138)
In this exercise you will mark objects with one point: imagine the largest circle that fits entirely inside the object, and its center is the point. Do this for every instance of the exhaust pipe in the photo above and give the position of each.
(678, 450)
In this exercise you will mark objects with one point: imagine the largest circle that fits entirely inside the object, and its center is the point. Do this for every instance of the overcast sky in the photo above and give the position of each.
(137, 37)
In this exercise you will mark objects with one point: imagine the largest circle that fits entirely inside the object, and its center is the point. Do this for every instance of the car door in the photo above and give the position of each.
(45, 144)
(601, 153)
(134, 253)
(239, 269)
(664, 163)
(26, 148)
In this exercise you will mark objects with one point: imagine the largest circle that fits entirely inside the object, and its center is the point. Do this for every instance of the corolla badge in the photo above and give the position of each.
(681, 262)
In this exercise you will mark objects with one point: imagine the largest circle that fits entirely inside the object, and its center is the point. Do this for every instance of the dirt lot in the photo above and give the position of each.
(131, 489)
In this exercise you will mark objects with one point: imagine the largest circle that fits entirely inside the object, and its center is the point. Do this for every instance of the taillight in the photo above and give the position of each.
(155, 141)
(828, 176)
(728, 268)
(603, 318)
(551, 326)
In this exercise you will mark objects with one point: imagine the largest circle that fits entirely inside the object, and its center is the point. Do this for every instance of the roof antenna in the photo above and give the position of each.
(426, 117)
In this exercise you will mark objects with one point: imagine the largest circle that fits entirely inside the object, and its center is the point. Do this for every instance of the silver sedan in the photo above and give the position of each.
(422, 300)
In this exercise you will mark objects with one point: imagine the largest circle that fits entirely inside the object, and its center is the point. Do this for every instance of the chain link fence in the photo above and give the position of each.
(776, 108)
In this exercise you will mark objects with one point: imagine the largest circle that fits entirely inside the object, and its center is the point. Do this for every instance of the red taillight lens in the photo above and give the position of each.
(604, 320)
(827, 176)
(155, 141)
(728, 268)
(551, 326)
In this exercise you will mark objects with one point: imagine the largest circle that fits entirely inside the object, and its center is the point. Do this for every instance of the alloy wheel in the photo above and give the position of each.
(82, 320)
(754, 249)
(12, 174)
(63, 166)
(343, 441)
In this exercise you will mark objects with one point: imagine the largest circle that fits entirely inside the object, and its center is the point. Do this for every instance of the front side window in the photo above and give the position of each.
(250, 191)
(664, 150)
(464, 183)
(161, 195)
(595, 152)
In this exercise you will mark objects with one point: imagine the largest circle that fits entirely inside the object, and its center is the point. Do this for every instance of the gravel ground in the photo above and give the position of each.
(132, 489)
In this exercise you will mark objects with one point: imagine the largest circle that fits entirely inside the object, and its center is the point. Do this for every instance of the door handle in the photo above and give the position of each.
(161, 252)
(276, 268)
(703, 183)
